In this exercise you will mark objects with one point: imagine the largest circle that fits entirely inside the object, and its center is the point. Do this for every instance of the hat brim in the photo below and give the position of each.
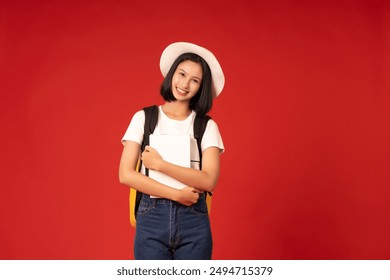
(174, 50)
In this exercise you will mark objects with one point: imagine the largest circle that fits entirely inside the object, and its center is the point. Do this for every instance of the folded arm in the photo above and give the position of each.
(204, 180)
(130, 177)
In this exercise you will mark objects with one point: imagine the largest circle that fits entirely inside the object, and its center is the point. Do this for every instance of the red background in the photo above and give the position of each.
(304, 117)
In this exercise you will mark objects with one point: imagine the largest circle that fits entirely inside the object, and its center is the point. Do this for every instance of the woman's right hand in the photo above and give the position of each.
(188, 196)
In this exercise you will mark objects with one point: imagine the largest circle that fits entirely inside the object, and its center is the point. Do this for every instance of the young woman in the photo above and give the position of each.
(176, 224)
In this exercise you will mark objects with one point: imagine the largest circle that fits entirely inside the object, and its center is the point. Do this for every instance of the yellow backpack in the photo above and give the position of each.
(151, 118)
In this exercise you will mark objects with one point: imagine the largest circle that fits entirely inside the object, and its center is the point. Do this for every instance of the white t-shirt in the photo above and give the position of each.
(165, 125)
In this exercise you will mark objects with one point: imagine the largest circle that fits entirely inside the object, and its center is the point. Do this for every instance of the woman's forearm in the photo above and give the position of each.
(205, 179)
(144, 184)
(198, 179)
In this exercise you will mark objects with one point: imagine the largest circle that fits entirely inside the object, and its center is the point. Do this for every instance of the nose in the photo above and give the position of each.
(185, 83)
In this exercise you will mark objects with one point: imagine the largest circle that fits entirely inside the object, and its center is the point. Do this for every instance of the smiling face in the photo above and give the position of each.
(186, 80)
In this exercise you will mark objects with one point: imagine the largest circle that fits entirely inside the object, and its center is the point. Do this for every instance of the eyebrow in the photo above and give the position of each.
(187, 74)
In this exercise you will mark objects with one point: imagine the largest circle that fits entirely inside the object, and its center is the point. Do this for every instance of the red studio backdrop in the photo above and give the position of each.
(304, 116)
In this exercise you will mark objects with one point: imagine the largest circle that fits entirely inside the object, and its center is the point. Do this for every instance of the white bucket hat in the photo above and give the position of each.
(174, 50)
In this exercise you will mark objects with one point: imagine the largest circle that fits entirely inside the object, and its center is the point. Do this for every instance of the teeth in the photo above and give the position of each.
(182, 91)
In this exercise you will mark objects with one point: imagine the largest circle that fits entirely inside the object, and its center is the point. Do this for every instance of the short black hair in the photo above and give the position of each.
(202, 102)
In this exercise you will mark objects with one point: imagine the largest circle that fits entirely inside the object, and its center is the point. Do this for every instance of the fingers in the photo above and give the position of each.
(149, 149)
(194, 190)
(192, 201)
(190, 196)
(196, 197)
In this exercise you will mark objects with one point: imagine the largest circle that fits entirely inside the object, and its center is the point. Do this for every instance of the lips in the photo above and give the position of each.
(181, 92)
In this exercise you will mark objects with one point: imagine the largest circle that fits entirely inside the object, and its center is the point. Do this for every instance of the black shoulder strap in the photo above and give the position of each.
(200, 125)
(151, 118)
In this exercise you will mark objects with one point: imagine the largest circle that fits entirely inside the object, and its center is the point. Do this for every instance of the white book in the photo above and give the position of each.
(175, 149)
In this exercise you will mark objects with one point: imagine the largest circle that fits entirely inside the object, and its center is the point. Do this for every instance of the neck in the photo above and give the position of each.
(176, 110)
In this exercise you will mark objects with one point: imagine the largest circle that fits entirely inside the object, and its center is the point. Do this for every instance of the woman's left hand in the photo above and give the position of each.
(150, 158)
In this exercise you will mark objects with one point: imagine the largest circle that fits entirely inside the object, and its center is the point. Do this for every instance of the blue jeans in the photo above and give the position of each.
(167, 230)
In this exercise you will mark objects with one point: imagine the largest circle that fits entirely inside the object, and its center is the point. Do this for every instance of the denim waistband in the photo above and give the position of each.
(165, 200)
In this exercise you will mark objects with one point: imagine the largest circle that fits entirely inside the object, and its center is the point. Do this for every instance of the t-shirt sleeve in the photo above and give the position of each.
(212, 137)
(135, 131)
